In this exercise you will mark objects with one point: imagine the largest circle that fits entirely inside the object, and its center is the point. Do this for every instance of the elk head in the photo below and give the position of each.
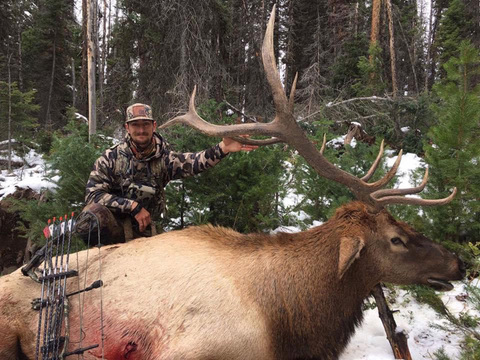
(408, 257)
(385, 249)
(404, 244)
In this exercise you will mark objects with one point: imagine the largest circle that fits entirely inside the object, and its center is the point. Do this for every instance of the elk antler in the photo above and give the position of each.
(284, 128)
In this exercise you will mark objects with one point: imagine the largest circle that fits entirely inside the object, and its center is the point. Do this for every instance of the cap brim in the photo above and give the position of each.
(139, 118)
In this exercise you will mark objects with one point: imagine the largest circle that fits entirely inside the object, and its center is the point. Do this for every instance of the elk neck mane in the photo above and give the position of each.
(354, 217)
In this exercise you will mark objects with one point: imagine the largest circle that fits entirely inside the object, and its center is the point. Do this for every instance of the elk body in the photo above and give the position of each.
(212, 293)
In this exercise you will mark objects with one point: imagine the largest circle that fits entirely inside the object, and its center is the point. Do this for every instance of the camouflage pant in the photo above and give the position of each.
(114, 228)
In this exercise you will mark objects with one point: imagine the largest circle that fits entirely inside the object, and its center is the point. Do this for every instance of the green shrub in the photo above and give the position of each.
(471, 349)
(440, 354)
(69, 164)
(426, 295)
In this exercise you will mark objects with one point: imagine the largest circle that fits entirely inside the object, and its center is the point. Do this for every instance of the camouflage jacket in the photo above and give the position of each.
(118, 178)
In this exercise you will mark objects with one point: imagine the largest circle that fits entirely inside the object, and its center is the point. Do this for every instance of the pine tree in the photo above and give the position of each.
(455, 26)
(24, 112)
(409, 46)
(454, 152)
(47, 54)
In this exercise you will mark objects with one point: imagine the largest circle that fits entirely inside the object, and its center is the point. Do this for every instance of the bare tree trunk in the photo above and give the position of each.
(48, 121)
(375, 29)
(19, 60)
(397, 339)
(356, 18)
(9, 114)
(103, 59)
(83, 81)
(429, 47)
(74, 90)
(109, 29)
(182, 208)
(392, 48)
(92, 120)
(183, 54)
(116, 13)
(411, 56)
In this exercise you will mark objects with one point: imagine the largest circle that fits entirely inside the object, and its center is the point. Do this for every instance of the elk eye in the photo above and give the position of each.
(397, 241)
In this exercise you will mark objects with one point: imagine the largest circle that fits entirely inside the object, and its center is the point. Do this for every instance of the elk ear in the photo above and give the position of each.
(350, 248)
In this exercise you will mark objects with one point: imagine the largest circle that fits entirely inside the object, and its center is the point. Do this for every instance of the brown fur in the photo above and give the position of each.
(212, 293)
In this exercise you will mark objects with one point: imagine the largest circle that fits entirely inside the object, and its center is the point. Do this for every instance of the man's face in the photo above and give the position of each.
(141, 131)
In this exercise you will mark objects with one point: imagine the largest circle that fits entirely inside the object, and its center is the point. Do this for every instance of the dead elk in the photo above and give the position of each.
(212, 293)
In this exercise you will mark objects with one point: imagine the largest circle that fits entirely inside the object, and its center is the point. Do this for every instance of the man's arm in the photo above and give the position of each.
(100, 184)
(181, 165)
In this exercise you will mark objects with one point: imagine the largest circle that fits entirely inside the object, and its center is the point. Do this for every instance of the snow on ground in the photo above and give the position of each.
(421, 323)
(369, 341)
(31, 175)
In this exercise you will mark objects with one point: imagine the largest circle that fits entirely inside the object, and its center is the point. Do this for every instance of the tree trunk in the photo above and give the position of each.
(19, 60)
(392, 48)
(102, 62)
(355, 24)
(429, 48)
(411, 56)
(375, 29)
(48, 119)
(83, 81)
(9, 114)
(182, 208)
(74, 90)
(92, 120)
(397, 339)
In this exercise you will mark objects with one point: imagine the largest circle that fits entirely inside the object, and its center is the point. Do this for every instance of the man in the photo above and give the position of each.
(127, 182)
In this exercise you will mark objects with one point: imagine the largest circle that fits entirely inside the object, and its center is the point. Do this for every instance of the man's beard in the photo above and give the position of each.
(142, 150)
(142, 145)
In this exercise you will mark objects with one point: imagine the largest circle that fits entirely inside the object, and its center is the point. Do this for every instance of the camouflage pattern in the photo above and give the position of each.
(111, 229)
(139, 112)
(118, 178)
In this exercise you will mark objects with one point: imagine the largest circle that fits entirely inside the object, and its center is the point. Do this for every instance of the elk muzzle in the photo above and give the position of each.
(455, 270)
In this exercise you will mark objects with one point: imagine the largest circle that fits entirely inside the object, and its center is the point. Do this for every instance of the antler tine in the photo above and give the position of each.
(324, 142)
(291, 101)
(271, 71)
(192, 119)
(388, 176)
(389, 192)
(374, 166)
(416, 201)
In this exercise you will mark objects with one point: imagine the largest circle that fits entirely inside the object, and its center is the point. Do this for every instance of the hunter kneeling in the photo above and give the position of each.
(125, 190)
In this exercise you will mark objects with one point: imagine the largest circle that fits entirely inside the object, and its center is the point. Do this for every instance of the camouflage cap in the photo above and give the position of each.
(139, 112)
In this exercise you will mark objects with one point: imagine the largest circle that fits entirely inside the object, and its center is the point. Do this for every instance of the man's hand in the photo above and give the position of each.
(143, 218)
(229, 145)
